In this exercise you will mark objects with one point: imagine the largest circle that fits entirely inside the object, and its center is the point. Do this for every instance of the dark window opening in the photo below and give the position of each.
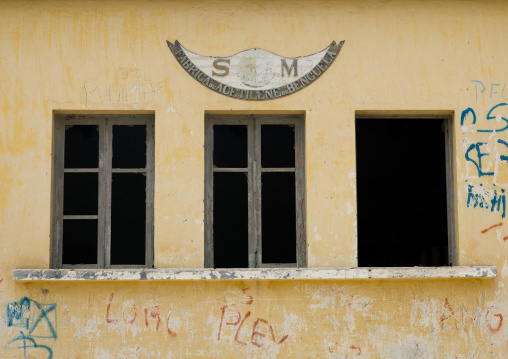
(277, 146)
(230, 146)
(230, 220)
(401, 192)
(278, 215)
(80, 241)
(128, 218)
(82, 146)
(129, 146)
(81, 193)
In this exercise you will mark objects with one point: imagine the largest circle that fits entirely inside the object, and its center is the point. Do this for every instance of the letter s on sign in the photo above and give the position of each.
(220, 67)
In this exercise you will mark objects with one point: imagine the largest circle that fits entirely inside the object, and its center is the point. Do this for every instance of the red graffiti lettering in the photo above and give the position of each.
(283, 339)
(494, 226)
(170, 332)
(1, 280)
(108, 319)
(448, 314)
(498, 327)
(467, 315)
(237, 320)
(131, 320)
(154, 313)
(356, 348)
(251, 299)
(234, 318)
(256, 333)
(240, 327)
(223, 309)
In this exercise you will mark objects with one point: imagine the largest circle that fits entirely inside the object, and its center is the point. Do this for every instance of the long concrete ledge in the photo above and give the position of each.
(28, 275)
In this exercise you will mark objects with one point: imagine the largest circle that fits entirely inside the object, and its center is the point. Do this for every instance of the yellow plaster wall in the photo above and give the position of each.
(83, 56)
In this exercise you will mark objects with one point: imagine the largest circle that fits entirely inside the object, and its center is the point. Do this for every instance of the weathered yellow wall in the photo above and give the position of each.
(82, 56)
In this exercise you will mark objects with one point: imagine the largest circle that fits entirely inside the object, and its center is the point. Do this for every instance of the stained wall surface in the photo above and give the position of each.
(442, 57)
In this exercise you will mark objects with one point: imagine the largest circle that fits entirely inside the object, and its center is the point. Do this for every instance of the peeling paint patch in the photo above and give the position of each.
(349, 208)
(504, 271)
(412, 347)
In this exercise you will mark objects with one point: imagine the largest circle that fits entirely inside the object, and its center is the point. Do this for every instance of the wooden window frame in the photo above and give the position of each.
(254, 171)
(105, 126)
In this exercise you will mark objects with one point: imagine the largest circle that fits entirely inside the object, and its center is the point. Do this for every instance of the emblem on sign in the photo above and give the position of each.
(255, 74)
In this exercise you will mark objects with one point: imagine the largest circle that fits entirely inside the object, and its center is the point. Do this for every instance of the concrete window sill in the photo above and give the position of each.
(32, 275)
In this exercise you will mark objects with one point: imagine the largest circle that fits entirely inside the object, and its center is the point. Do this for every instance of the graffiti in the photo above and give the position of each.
(104, 94)
(337, 350)
(446, 315)
(479, 155)
(262, 334)
(128, 90)
(309, 288)
(494, 91)
(491, 227)
(494, 226)
(108, 319)
(505, 238)
(151, 316)
(490, 156)
(492, 325)
(475, 153)
(479, 197)
(493, 114)
(35, 321)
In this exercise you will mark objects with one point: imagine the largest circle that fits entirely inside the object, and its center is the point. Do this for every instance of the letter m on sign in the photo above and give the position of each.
(284, 66)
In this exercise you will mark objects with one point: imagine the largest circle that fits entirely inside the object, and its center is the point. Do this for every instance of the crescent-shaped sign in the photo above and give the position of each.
(255, 74)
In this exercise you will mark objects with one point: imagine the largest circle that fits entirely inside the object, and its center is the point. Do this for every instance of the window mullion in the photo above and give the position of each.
(452, 250)
(251, 196)
(59, 185)
(301, 260)
(109, 180)
(257, 193)
(150, 134)
(105, 159)
(209, 249)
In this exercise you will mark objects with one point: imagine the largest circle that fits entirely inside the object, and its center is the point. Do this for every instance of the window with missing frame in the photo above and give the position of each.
(254, 202)
(405, 191)
(103, 194)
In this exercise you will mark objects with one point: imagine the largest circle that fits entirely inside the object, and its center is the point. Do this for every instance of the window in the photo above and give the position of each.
(103, 191)
(254, 197)
(404, 192)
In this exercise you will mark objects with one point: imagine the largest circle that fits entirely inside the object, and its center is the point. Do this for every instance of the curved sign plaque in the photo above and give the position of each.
(255, 74)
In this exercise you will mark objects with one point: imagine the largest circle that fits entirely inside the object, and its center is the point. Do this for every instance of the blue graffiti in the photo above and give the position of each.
(469, 111)
(475, 148)
(492, 117)
(493, 90)
(18, 313)
(29, 342)
(501, 157)
(479, 154)
(38, 321)
(463, 116)
(480, 198)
